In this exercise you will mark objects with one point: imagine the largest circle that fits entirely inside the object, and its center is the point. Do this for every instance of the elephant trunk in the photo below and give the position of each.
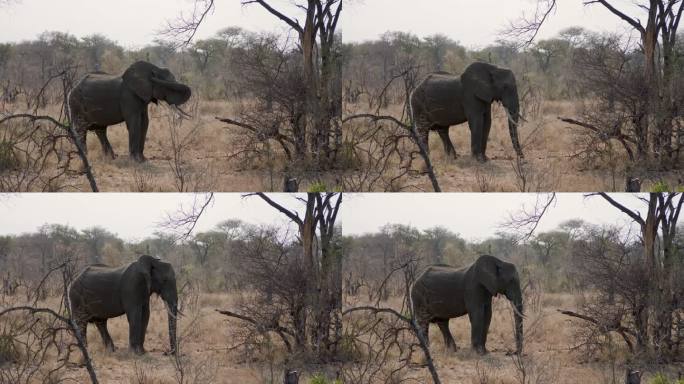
(518, 327)
(512, 105)
(172, 310)
(174, 93)
(516, 299)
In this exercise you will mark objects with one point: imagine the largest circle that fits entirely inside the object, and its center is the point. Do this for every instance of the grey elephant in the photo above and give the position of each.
(442, 292)
(100, 100)
(442, 100)
(101, 292)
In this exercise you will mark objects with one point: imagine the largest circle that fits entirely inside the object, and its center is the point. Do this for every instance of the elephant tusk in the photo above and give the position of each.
(168, 310)
(520, 117)
(510, 118)
(518, 312)
(181, 112)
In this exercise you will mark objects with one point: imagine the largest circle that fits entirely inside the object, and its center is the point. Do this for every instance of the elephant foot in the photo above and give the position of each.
(138, 157)
(139, 351)
(112, 155)
(481, 350)
(110, 348)
(452, 348)
(482, 158)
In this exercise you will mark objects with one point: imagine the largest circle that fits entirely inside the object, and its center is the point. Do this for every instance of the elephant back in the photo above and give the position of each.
(438, 292)
(95, 292)
(437, 279)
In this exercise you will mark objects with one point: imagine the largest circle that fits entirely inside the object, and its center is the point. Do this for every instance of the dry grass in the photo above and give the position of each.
(548, 147)
(209, 336)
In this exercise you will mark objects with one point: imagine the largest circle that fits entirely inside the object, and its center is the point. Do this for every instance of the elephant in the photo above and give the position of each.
(442, 292)
(100, 292)
(99, 100)
(442, 100)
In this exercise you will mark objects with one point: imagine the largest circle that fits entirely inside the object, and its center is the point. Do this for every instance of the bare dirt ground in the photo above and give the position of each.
(207, 338)
(209, 163)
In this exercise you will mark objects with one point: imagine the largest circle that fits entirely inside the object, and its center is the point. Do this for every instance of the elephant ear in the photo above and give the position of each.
(487, 273)
(478, 80)
(145, 266)
(138, 78)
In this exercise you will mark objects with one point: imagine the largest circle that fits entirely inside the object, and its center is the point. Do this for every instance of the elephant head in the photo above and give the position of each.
(151, 83)
(161, 279)
(489, 83)
(499, 277)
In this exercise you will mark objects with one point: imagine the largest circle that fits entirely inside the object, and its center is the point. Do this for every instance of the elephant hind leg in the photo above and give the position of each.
(101, 132)
(423, 128)
(446, 141)
(424, 327)
(448, 338)
(81, 328)
(106, 338)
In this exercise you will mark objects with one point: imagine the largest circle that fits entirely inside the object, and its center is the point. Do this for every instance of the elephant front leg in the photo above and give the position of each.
(135, 330)
(477, 330)
(145, 123)
(134, 123)
(486, 127)
(476, 124)
(145, 321)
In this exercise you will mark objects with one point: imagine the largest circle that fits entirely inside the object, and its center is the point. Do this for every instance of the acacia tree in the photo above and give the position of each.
(663, 263)
(319, 239)
(318, 134)
(657, 26)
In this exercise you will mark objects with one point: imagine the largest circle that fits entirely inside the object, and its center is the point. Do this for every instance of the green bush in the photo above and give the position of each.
(662, 186)
(662, 379)
(320, 378)
(317, 187)
(320, 187)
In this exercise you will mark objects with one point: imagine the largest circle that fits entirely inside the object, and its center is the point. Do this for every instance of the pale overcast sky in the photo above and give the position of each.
(135, 216)
(134, 23)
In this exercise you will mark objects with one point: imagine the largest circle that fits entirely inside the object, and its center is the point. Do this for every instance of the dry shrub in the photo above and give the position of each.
(186, 177)
(381, 153)
(143, 181)
(35, 156)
